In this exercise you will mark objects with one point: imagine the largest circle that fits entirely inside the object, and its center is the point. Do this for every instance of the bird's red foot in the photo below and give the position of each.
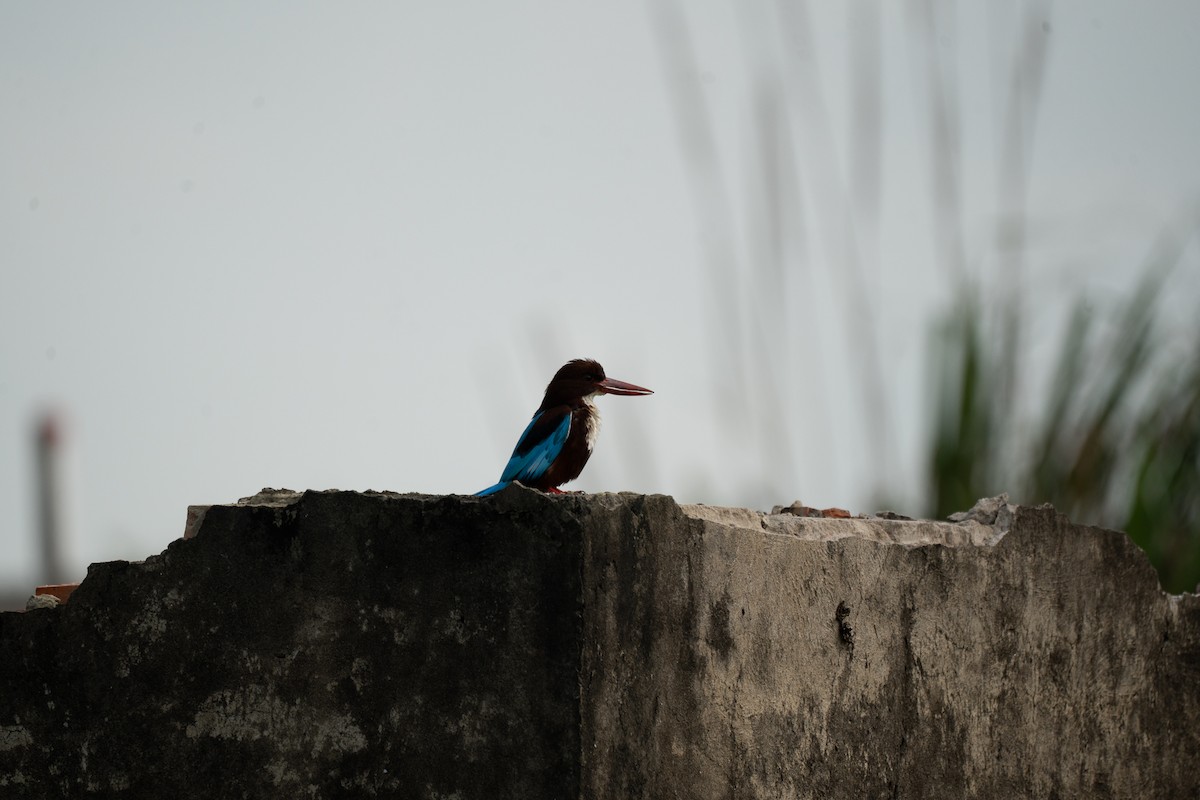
(555, 490)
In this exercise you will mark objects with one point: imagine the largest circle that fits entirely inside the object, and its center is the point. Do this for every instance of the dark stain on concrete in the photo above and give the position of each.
(720, 637)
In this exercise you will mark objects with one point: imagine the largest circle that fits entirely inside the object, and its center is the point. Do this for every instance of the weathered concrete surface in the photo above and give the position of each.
(337, 645)
(1041, 662)
(612, 646)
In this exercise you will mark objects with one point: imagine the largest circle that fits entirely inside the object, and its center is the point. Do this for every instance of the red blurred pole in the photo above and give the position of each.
(50, 496)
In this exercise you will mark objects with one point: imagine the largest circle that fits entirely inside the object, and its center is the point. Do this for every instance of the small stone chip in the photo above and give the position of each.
(42, 601)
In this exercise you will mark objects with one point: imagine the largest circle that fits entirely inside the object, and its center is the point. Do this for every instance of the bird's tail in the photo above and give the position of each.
(493, 489)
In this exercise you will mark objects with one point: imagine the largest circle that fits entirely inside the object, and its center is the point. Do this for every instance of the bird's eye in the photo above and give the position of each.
(590, 378)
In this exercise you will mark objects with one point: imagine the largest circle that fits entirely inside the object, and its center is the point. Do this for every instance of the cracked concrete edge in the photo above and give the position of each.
(267, 498)
(968, 532)
(984, 525)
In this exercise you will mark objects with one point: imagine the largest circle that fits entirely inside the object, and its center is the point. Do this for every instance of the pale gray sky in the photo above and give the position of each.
(320, 245)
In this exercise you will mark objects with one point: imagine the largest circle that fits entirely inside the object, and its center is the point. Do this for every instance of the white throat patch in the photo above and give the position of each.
(592, 423)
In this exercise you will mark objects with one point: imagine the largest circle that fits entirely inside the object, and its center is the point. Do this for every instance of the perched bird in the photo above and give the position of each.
(558, 440)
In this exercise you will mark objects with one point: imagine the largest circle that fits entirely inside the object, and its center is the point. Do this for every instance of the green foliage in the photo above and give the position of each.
(1114, 438)
(1163, 516)
(1116, 441)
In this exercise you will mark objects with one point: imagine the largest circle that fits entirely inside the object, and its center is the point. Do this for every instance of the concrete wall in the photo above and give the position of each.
(608, 646)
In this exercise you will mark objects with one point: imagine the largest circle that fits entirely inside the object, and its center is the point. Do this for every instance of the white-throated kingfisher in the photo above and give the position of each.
(558, 441)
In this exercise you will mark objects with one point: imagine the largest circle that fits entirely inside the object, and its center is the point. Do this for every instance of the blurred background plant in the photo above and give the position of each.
(1110, 433)
(1114, 440)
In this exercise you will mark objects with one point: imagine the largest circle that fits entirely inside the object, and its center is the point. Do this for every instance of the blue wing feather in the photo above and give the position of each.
(540, 443)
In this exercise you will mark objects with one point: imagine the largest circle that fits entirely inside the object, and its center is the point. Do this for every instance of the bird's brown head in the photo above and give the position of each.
(584, 377)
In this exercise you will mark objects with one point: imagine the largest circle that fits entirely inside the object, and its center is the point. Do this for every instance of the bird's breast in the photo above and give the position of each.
(591, 423)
